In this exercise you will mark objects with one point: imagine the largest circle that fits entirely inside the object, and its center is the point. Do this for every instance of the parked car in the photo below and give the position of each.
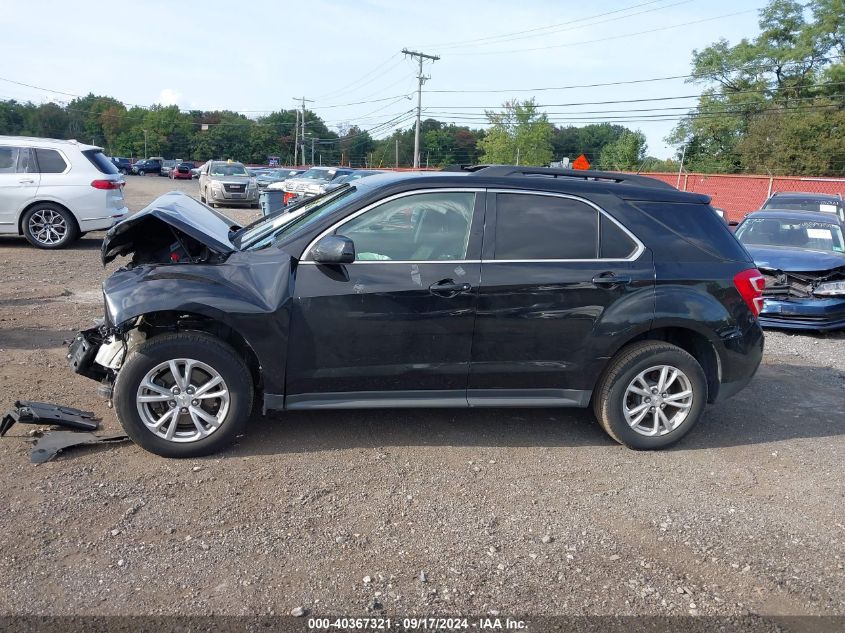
(227, 182)
(485, 288)
(183, 171)
(147, 166)
(797, 201)
(318, 188)
(802, 257)
(53, 191)
(297, 186)
(167, 166)
(270, 176)
(195, 172)
(124, 165)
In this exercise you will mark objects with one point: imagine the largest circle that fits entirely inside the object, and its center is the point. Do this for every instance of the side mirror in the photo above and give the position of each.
(334, 249)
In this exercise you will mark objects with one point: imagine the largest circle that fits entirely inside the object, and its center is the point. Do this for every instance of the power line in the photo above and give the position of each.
(612, 37)
(462, 43)
(629, 81)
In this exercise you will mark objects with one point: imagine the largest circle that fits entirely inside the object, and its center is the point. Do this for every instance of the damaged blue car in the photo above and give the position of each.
(801, 255)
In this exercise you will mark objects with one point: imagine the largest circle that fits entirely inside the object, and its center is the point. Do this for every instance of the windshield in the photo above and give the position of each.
(280, 225)
(228, 169)
(803, 204)
(818, 236)
(317, 174)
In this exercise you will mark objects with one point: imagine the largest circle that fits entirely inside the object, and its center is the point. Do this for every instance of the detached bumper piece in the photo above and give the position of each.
(55, 442)
(26, 412)
(804, 314)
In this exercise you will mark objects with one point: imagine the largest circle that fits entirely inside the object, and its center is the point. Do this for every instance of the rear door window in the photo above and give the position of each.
(50, 161)
(534, 227)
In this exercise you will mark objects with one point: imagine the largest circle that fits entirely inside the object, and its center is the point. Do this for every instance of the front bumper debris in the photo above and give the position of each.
(82, 353)
(26, 412)
(804, 314)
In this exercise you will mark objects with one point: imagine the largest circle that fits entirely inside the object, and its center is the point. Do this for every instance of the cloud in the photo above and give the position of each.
(169, 96)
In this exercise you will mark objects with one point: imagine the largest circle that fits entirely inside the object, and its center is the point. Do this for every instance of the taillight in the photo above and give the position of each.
(750, 284)
(288, 195)
(107, 184)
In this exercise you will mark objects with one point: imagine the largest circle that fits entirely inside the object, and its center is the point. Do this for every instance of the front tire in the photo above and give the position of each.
(183, 395)
(49, 226)
(651, 395)
(141, 172)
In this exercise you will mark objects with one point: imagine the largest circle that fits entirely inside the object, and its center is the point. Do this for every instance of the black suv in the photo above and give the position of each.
(497, 286)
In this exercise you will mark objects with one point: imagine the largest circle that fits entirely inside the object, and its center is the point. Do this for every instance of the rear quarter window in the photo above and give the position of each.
(699, 225)
(100, 161)
(50, 161)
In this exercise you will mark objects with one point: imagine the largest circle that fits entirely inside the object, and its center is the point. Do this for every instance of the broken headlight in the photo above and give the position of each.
(830, 288)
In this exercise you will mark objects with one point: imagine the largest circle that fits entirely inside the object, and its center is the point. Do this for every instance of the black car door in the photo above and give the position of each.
(395, 326)
(561, 279)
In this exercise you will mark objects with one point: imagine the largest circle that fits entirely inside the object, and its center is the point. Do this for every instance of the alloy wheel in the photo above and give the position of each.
(183, 400)
(48, 226)
(658, 400)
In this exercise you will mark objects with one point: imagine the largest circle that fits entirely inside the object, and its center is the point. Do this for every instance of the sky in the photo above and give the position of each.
(259, 56)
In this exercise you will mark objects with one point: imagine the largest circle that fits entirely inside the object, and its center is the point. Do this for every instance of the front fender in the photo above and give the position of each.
(252, 299)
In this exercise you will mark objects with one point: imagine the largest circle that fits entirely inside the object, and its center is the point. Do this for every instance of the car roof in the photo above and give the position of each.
(46, 142)
(800, 216)
(585, 184)
(806, 196)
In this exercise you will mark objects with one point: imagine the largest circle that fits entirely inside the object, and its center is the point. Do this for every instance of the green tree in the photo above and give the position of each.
(792, 67)
(626, 153)
(518, 134)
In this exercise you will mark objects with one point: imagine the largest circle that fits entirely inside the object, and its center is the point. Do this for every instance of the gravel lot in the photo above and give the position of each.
(421, 511)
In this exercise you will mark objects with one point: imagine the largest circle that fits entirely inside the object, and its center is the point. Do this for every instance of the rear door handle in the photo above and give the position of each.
(448, 288)
(26, 181)
(610, 279)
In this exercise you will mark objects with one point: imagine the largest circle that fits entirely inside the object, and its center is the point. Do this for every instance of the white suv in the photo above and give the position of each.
(52, 191)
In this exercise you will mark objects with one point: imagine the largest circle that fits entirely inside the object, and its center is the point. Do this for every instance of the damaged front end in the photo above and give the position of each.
(185, 274)
(804, 299)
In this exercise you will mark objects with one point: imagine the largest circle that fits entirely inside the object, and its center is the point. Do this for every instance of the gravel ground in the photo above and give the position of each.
(419, 511)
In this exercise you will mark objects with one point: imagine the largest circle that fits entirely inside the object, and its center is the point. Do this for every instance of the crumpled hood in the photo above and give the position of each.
(174, 210)
(795, 260)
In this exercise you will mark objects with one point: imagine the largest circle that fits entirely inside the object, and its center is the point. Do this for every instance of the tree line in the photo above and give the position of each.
(167, 131)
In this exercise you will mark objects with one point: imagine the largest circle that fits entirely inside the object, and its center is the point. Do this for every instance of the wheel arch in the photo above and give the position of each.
(35, 203)
(692, 341)
(160, 322)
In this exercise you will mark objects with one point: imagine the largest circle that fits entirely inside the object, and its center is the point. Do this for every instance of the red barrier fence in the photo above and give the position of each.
(741, 194)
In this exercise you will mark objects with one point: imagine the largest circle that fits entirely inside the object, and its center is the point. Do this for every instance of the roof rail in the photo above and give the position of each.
(502, 171)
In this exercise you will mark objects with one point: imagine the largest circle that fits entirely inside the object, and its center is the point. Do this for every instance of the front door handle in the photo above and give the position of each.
(26, 181)
(448, 288)
(611, 279)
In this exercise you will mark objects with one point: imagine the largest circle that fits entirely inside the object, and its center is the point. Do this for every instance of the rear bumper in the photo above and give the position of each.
(104, 222)
(804, 314)
(177, 174)
(739, 360)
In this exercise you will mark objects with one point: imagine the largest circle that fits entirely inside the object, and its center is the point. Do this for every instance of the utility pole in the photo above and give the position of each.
(145, 143)
(397, 153)
(312, 151)
(302, 101)
(421, 79)
(296, 140)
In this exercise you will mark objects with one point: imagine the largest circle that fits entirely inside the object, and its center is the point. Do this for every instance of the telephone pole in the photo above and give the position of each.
(421, 79)
(302, 100)
(296, 140)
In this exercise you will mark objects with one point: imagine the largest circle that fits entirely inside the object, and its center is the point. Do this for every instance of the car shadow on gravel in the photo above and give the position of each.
(89, 242)
(773, 408)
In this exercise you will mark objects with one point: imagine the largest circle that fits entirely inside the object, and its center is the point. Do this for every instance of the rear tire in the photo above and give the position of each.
(213, 359)
(49, 226)
(643, 408)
